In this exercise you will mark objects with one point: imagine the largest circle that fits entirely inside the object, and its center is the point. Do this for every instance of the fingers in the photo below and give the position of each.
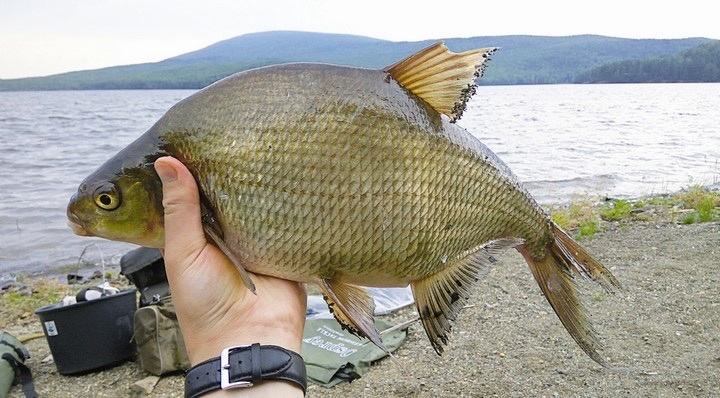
(184, 236)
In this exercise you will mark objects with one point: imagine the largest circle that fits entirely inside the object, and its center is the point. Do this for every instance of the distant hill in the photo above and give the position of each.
(522, 59)
(697, 64)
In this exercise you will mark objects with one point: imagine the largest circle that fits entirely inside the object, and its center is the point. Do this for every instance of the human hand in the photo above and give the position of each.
(214, 308)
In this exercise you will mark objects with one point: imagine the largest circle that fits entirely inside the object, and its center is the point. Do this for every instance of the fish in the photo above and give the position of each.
(348, 178)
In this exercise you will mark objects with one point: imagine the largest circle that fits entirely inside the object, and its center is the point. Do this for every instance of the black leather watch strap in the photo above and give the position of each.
(245, 366)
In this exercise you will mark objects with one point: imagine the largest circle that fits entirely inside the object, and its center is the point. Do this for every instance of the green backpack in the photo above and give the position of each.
(159, 341)
(12, 366)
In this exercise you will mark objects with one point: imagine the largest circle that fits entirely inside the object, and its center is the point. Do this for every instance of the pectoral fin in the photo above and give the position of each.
(353, 308)
(441, 296)
(214, 232)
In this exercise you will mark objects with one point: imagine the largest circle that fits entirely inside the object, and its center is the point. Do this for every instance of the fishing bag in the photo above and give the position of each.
(332, 355)
(145, 268)
(159, 341)
(13, 355)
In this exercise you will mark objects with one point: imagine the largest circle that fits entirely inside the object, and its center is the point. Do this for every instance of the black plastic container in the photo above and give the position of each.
(92, 334)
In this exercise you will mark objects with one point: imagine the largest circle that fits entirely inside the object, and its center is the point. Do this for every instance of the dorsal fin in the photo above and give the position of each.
(444, 79)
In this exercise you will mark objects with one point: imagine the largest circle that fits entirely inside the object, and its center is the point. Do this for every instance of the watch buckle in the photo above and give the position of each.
(225, 383)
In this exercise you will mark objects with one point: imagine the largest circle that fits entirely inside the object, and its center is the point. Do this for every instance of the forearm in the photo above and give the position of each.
(201, 347)
(271, 388)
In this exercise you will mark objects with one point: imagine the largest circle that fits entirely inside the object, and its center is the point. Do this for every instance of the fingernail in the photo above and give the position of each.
(166, 172)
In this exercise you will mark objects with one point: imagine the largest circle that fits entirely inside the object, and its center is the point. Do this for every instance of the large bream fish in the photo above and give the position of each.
(347, 177)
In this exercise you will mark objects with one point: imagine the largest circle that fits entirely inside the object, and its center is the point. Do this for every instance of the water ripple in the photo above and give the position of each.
(613, 140)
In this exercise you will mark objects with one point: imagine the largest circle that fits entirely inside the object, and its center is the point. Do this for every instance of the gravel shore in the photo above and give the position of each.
(662, 332)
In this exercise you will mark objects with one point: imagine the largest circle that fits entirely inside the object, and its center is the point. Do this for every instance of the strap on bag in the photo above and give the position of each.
(20, 368)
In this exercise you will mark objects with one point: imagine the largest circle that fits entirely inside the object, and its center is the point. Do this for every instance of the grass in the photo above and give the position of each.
(703, 202)
(689, 218)
(587, 230)
(580, 215)
(21, 303)
(586, 216)
(617, 210)
(706, 210)
(579, 211)
(31, 293)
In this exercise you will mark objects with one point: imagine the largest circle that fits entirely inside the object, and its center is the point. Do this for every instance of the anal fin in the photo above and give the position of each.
(353, 308)
(441, 296)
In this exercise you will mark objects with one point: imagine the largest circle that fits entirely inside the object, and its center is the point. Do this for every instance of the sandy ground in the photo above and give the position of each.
(663, 329)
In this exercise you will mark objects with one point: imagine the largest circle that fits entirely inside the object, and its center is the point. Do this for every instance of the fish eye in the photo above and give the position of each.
(107, 197)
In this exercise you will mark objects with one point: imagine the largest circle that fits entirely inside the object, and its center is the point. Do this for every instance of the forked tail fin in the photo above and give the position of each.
(554, 274)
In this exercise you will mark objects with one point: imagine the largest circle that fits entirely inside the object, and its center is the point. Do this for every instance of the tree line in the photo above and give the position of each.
(697, 64)
(521, 60)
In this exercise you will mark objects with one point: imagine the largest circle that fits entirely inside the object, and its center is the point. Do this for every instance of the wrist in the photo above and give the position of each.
(203, 347)
(277, 388)
(274, 316)
(254, 370)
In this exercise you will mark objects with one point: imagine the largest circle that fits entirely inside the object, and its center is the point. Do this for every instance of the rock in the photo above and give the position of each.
(145, 386)
(73, 278)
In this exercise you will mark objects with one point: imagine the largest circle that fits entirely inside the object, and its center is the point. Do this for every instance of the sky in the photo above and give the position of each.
(43, 37)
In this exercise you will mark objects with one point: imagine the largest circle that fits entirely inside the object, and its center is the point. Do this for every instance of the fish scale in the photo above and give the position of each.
(329, 186)
(347, 177)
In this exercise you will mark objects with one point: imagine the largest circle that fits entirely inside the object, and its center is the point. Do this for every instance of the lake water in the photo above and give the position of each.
(562, 140)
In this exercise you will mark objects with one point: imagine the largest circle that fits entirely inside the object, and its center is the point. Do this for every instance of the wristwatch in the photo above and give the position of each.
(244, 366)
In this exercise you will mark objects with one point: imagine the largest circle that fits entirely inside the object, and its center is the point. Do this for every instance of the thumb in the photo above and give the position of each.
(184, 236)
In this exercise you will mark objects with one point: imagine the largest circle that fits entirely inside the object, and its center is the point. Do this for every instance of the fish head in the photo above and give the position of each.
(121, 201)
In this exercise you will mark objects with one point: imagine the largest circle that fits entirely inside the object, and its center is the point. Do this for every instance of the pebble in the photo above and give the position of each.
(145, 386)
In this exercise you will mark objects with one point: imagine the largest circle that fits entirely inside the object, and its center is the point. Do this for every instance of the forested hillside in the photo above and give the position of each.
(698, 64)
(521, 59)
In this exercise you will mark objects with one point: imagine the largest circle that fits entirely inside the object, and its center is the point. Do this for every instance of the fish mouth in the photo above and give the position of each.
(77, 228)
(74, 223)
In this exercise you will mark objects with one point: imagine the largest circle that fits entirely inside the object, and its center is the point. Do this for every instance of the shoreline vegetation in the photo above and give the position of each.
(585, 215)
(636, 233)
